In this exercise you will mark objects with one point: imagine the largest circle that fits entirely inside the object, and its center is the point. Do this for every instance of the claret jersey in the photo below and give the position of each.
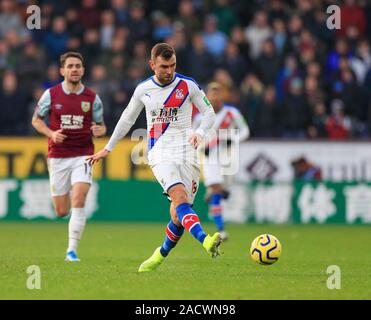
(74, 113)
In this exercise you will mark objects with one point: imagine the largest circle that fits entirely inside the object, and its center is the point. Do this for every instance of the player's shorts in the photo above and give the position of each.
(65, 172)
(170, 174)
(212, 174)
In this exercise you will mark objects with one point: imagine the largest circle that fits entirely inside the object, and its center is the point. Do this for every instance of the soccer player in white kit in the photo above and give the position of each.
(227, 117)
(172, 145)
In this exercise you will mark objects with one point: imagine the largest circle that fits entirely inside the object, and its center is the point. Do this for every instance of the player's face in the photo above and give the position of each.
(73, 70)
(164, 69)
(215, 98)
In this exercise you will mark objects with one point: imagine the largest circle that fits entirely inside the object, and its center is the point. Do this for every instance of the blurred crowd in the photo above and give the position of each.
(289, 74)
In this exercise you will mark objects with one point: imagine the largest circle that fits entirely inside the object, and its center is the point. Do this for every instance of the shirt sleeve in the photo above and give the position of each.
(203, 105)
(127, 119)
(98, 110)
(241, 124)
(43, 105)
(196, 121)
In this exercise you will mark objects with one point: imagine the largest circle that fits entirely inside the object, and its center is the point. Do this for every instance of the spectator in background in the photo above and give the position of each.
(200, 62)
(238, 37)
(30, 67)
(333, 58)
(278, 11)
(11, 20)
(233, 62)
(225, 80)
(89, 15)
(268, 113)
(187, 16)
(360, 63)
(90, 48)
(313, 92)
(279, 35)
(4, 56)
(163, 27)
(295, 111)
(52, 77)
(317, 126)
(288, 72)
(120, 10)
(338, 124)
(215, 41)
(13, 111)
(252, 91)
(56, 39)
(226, 16)
(107, 28)
(139, 26)
(295, 26)
(74, 26)
(268, 63)
(257, 32)
(100, 83)
(352, 15)
(305, 170)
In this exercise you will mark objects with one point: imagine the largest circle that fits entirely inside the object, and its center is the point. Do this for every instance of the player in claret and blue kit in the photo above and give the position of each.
(75, 115)
(167, 98)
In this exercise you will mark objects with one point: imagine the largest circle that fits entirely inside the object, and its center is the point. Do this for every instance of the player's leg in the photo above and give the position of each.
(77, 221)
(81, 179)
(213, 180)
(191, 221)
(62, 205)
(174, 230)
(60, 185)
(215, 208)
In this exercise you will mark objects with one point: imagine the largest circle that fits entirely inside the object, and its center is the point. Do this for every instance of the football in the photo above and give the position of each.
(265, 249)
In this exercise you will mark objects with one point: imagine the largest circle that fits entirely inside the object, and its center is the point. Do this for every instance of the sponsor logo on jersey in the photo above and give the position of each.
(206, 100)
(85, 106)
(58, 106)
(72, 121)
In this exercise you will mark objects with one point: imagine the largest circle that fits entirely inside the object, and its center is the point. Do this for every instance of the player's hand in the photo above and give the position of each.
(195, 140)
(98, 130)
(58, 137)
(96, 157)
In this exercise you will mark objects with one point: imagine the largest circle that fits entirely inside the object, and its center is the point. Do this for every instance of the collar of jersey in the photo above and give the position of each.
(164, 85)
(66, 91)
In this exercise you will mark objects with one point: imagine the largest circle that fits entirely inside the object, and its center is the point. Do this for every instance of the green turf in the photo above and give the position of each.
(112, 253)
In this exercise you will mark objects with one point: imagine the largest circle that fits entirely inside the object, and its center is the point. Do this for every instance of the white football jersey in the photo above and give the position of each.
(169, 118)
(228, 117)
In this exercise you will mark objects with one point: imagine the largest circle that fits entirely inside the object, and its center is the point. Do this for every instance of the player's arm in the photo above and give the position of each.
(244, 130)
(203, 105)
(41, 110)
(127, 119)
(98, 127)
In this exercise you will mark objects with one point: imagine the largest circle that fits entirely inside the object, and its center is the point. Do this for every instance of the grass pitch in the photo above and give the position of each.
(112, 253)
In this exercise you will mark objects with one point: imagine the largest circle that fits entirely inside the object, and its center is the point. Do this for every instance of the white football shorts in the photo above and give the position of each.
(170, 174)
(65, 172)
(212, 174)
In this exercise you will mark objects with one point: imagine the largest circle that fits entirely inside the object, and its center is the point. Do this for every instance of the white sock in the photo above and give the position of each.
(76, 228)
